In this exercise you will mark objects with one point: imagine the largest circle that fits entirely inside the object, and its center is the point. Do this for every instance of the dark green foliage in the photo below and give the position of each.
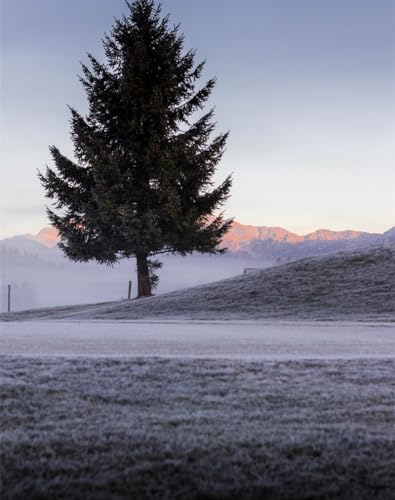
(142, 180)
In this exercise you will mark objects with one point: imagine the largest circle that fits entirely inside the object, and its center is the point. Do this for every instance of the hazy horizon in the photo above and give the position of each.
(305, 88)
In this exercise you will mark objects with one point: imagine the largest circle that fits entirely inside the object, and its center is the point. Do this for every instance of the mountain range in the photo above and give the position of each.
(257, 240)
(241, 235)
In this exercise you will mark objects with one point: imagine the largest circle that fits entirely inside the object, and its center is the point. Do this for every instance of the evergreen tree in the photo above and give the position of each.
(141, 183)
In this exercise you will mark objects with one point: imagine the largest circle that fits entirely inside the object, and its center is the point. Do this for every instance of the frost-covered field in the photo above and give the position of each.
(245, 410)
(197, 429)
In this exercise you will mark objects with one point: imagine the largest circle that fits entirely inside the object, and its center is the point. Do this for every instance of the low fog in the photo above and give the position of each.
(41, 277)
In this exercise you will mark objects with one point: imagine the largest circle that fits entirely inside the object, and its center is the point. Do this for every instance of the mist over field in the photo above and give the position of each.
(41, 276)
(47, 279)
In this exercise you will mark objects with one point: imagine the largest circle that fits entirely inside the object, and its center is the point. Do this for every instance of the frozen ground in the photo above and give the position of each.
(97, 406)
(199, 410)
(358, 286)
(156, 428)
(242, 339)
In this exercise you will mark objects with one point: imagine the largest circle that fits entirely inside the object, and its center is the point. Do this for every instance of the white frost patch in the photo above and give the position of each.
(244, 340)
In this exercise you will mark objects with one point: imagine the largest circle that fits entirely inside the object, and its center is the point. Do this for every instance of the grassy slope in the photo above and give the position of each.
(357, 286)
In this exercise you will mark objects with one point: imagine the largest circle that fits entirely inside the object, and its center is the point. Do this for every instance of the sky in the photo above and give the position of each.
(305, 87)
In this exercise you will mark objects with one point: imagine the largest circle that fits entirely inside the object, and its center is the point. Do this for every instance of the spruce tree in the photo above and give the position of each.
(141, 180)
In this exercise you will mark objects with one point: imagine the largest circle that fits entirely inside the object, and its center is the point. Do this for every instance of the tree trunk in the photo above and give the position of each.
(143, 279)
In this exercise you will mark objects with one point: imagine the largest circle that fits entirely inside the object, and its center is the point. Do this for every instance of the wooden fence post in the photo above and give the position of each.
(130, 290)
(9, 298)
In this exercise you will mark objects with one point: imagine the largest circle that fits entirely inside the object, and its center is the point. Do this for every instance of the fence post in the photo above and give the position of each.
(130, 290)
(9, 298)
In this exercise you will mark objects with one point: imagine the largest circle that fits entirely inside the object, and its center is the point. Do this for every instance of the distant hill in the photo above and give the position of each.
(28, 246)
(356, 286)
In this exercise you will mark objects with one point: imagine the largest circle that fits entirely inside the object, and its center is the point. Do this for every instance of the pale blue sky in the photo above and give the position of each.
(305, 86)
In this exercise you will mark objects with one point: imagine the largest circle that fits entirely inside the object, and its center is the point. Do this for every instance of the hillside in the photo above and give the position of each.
(347, 286)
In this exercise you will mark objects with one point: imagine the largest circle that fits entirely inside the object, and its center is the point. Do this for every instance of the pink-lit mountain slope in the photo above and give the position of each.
(241, 236)
(328, 235)
(47, 237)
